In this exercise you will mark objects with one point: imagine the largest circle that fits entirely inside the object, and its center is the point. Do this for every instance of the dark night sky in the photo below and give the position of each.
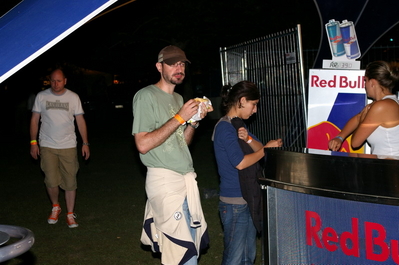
(135, 33)
(127, 40)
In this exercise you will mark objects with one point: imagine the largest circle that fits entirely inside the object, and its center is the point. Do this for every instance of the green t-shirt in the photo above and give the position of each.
(152, 107)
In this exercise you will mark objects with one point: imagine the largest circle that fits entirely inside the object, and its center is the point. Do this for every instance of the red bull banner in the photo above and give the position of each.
(309, 229)
(335, 96)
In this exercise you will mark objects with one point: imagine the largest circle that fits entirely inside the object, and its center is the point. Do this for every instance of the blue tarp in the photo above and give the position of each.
(34, 26)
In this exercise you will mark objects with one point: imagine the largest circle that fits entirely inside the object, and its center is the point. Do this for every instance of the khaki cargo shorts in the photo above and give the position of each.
(60, 167)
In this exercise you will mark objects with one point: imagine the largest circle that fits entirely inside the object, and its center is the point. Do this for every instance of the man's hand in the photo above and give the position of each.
(85, 151)
(35, 151)
(189, 109)
(205, 109)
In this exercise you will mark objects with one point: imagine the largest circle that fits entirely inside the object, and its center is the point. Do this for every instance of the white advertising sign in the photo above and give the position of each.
(335, 96)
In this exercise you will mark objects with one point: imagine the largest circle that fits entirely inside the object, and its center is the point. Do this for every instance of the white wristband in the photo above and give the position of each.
(339, 137)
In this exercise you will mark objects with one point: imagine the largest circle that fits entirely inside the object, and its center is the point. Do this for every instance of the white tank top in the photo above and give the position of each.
(385, 141)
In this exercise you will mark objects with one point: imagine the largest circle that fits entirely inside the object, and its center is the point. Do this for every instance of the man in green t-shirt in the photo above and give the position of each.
(174, 224)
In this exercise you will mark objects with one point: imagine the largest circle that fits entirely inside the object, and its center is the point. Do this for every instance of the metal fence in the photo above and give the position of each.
(275, 64)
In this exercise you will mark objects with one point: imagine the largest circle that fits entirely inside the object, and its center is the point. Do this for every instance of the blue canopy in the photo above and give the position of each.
(34, 26)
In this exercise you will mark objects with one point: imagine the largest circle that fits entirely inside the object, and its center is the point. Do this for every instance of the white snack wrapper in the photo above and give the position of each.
(197, 117)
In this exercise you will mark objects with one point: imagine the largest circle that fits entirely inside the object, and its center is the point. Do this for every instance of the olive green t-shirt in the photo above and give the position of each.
(152, 107)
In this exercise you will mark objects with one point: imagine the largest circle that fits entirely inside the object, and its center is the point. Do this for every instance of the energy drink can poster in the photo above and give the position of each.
(335, 96)
(342, 39)
(349, 39)
(335, 38)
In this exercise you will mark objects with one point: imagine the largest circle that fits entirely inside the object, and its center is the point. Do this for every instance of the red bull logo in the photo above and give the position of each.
(320, 134)
(337, 82)
(377, 246)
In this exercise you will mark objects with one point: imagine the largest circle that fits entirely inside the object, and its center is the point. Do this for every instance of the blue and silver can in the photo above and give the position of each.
(335, 38)
(349, 39)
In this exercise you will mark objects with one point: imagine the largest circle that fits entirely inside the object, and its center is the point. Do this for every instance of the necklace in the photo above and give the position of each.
(228, 117)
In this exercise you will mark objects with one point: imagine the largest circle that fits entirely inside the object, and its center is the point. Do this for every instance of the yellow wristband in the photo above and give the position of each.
(179, 119)
(33, 142)
(249, 139)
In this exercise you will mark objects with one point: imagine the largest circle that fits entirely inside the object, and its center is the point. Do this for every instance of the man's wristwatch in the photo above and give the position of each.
(86, 144)
(195, 126)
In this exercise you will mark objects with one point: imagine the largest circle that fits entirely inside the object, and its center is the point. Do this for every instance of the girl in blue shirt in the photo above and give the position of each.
(239, 101)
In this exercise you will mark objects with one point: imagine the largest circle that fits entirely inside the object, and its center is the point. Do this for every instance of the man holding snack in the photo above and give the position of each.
(163, 127)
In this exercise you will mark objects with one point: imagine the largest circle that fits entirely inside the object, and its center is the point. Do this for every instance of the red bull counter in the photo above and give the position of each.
(330, 207)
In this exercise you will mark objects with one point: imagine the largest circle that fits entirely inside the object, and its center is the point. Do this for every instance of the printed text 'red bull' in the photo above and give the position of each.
(337, 82)
(348, 242)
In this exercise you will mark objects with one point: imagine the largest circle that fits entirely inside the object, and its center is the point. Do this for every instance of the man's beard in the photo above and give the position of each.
(175, 81)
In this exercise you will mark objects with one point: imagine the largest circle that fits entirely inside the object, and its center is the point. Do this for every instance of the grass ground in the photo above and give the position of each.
(110, 200)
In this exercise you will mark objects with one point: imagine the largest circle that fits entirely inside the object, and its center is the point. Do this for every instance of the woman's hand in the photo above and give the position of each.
(335, 144)
(274, 143)
(243, 134)
(364, 112)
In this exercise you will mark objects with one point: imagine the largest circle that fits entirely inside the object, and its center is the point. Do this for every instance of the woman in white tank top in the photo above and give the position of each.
(378, 122)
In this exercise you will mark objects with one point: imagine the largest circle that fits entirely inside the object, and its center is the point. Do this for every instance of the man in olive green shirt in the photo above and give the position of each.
(162, 137)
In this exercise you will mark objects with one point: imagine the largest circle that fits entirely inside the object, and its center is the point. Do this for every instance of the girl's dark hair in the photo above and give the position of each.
(386, 74)
(231, 95)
